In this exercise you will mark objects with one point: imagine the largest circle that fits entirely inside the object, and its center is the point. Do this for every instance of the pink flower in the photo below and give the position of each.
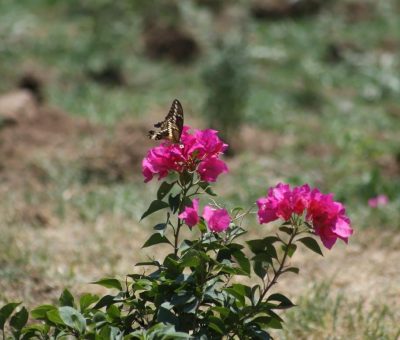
(378, 201)
(190, 214)
(211, 168)
(328, 217)
(209, 142)
(158, 161)
(217, 219)
(198, 152)
(300, 198)
(282, 202)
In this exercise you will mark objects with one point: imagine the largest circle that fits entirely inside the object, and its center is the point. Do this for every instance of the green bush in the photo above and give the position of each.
(226, 80)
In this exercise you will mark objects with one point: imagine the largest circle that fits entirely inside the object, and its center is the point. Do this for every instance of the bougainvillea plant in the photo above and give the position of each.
(210, 285)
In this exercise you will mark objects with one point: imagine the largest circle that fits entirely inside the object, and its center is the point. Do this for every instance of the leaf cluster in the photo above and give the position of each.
(210, 287)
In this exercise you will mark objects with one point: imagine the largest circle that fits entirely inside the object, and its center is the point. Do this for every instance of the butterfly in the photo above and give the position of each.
(171, 127)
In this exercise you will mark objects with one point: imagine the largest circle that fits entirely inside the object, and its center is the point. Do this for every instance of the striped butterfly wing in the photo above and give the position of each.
(171, 127)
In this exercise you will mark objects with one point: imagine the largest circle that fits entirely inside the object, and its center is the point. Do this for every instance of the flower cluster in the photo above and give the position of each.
(217, 219)
(199, 152)
(327, 216)
(378, 201)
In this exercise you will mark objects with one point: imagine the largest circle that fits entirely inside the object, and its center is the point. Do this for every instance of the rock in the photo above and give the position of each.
(16, 106)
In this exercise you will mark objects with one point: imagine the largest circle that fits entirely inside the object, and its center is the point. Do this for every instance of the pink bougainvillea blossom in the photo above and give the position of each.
(378, 201)
(190, 214)
(210, 168)
(217, 219)
(200, 151)
(327, 216)
(282, 202)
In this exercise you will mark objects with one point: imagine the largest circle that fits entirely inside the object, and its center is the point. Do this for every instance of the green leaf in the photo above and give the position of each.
(191, 259)
(99, 317)
(274, 323)
(256, 246)
(235, 211)
(259, 334)
(72, 318)
(253, 295)
(54, 316)
(242, 260)
(185, 177)
(222, 311)
(284, 302)
(191, 307)
(6, 311)
(154, 206)
(155, 239)
(271, 252)
(216, 324)
(287, 230)
(19, 319)
(166, 316)
(202, 226)
(106, 300)
(311, 244)
(173, 266)
(207, 188)
(260, 268)
(113, 312)
(160, 228)
(289, 249)
(185, 246)
(109, 283)
(31, 330)
(266, 244)
(164, 189)
(291, 269)
(66, 298)
(142, 284)
(239, 291)
(235, 231)
(86, 300)
(174, 202)
(40, 313)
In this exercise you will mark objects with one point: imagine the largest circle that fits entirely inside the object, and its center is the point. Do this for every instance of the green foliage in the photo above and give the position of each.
(191, 293)
(226, 80)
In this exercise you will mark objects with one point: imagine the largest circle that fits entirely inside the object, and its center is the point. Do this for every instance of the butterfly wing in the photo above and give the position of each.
(172, 126)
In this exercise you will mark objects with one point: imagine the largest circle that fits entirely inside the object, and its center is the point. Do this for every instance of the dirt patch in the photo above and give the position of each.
(118, 155)
(32, 135)
(367, 268)
(109, 74)
(278, 9)
(215, 6)
(357, 11)
(162, 41)
(32, 83)
(261, 141)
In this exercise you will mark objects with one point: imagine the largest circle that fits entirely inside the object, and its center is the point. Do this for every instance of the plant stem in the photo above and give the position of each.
(281, 265)
(176, 235)
(185, 190)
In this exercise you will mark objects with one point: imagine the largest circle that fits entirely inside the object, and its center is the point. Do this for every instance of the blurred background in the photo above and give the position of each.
(302, 90)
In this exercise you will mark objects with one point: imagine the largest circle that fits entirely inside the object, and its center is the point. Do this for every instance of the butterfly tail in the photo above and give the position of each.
(158, 135)
(152, 134)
